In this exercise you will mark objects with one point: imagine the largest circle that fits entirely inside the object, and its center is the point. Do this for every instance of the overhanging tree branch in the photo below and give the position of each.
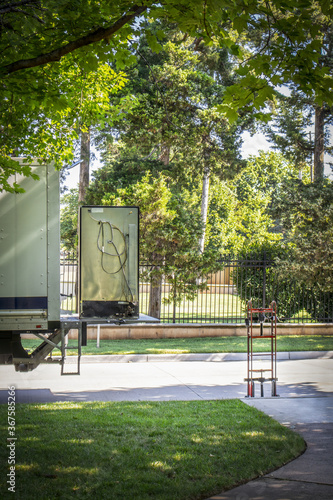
(93, 37)
(11, 6)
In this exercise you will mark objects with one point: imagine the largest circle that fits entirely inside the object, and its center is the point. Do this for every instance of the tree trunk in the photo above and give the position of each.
(319, 144)
(204, 206)
(155, 295)
(84, 166)
(165, 154)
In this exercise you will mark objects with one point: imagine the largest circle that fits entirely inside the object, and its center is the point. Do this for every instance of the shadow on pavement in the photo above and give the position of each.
(179, 392)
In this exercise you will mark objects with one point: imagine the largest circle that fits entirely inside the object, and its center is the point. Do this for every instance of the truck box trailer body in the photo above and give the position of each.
(29, 257)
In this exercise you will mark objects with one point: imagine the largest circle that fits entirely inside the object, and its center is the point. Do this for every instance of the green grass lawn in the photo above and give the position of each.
(199, 345)
(141, 450)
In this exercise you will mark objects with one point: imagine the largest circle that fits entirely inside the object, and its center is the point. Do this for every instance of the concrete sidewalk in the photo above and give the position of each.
(309, 477)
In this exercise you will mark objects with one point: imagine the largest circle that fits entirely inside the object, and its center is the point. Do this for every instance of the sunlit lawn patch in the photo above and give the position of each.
(160, 450)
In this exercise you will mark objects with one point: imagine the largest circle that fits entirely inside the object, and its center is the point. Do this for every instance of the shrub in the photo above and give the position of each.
(320, 306)
(257, 278)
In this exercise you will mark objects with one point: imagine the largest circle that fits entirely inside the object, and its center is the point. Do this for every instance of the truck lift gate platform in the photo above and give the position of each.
(58, 338)
(75, 323)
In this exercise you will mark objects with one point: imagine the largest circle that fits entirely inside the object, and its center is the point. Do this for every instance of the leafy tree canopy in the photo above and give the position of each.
(287, 44)
(297, 113)
(240, 216)
(49, 47)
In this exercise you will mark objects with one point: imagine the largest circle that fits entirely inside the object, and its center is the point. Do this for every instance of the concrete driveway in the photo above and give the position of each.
(162, 381)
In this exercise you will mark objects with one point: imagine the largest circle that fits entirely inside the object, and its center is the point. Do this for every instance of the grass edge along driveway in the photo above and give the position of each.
(197, 345)
(143, 450)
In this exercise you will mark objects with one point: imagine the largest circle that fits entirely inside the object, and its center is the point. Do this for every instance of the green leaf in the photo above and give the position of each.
(240, 23)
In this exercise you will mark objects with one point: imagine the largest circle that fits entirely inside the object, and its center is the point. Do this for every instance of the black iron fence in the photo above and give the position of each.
(225, 297)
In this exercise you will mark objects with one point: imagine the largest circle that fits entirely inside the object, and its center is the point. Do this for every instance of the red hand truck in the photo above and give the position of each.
(256, 317)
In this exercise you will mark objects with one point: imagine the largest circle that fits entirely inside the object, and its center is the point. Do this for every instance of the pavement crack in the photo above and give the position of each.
(179, 381)
(269, 476)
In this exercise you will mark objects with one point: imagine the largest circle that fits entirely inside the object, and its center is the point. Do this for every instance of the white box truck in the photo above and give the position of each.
(29, 261)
